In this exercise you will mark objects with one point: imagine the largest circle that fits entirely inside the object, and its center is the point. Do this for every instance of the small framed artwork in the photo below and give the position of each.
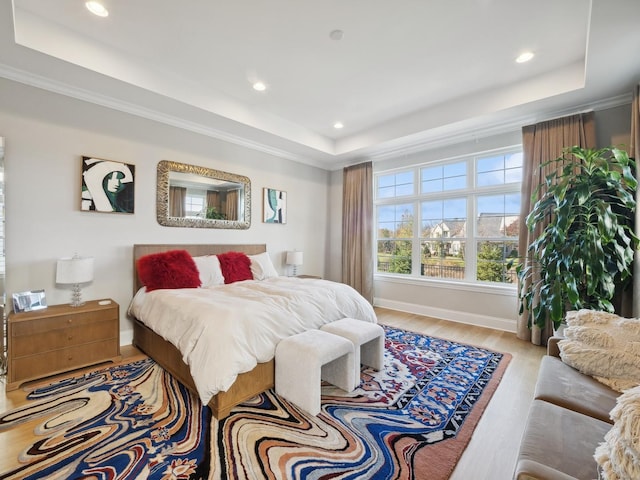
(275, 206)
(107, 186)
(28, 301)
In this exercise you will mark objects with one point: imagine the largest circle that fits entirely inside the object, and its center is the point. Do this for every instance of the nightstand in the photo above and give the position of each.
(308, 276)
(60, 338)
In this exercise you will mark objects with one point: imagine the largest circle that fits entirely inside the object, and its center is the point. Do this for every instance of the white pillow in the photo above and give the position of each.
(603, 345)
(262, 267)
(619, 455)
(210, 271)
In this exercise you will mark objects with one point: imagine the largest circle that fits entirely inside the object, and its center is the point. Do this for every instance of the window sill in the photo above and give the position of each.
(486, 288)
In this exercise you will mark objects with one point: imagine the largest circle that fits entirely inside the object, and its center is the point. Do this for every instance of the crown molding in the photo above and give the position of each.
(459, 133)
(62, 88)
(428, 140)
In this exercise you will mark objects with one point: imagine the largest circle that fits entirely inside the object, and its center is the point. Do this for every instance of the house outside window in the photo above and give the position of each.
(454, 220)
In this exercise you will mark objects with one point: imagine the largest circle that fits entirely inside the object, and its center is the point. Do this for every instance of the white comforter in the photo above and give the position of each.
(226, 330)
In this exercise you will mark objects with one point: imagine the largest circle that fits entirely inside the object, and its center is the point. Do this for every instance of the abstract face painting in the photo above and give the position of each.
(107, 186)
(275, 206)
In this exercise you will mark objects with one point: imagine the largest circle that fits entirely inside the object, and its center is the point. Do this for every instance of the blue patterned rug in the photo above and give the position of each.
(412, 420)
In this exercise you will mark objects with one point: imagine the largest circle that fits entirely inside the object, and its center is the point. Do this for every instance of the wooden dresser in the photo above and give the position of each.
(60, 338)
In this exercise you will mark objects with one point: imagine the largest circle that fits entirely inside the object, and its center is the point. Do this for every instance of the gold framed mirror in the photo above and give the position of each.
(200, 197)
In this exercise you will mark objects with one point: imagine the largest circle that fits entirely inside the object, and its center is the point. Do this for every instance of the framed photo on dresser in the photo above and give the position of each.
(28, 301)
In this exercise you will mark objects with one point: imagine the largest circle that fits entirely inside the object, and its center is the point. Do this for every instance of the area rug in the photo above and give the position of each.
(412, 420)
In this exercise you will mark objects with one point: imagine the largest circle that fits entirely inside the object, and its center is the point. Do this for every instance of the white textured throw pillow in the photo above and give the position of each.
(262, 267)
(210, 271)
(619, 455)
(604, 346)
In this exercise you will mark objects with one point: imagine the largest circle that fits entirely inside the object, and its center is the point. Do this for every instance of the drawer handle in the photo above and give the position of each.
(70, 320)
(70, 359)
(70, 337)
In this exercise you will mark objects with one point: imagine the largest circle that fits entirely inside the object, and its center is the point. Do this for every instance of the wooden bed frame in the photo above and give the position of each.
(247, 385)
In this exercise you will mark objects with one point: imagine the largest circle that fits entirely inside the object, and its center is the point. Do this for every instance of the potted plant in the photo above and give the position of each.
(587, 248)
(213, 214)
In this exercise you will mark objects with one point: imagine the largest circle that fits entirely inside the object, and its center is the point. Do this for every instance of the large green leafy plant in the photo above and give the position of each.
(587, 247)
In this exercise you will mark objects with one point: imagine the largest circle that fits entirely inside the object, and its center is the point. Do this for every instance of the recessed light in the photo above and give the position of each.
(97, 9)
(524, 57)
(259, 86)
(338, 125)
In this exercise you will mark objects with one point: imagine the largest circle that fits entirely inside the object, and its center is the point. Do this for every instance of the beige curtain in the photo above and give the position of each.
(177, 201)
(634, 150)
(213, 200)
(542, 142)
(231, 207)
(357, 228)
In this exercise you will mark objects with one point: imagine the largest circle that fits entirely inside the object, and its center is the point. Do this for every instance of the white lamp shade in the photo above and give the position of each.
(294, 258)
(74, 270)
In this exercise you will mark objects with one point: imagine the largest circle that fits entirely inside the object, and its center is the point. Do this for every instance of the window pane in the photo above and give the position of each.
(386, 213)
(513, 175)
(432, 210)
(385, 229)
(513, 168)
(486, 179)
(454, 183)
(444, 218)
(498, 215)
(455, 208)
(493, 261)
(431, 186)
(386, 192)
(404, 177)
(386, 181)
(394, 256)
(455, 169)
(406, 189)
(513, 160)
(499, 169)
(395, 184)
(442, 259)
(444, 177)
(432, 173)
(490, 164)
(395, 221)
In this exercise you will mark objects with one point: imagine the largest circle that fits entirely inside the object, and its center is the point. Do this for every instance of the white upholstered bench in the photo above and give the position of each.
(367, 339)
(303, 360)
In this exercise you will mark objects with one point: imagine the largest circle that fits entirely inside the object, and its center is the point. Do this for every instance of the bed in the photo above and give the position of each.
(232, 365)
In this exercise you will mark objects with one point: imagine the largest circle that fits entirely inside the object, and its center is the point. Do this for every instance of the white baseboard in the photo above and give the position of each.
(504, 324)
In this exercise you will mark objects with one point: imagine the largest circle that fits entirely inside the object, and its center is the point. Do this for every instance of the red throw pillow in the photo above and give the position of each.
(235, 266)
(172, 269)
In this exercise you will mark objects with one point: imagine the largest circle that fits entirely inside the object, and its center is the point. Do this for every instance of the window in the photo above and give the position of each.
(195, 203)
(395, 185)
(453, 220)
(443, 238)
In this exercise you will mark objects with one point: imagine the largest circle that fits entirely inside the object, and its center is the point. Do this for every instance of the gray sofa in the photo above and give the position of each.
(568, 418)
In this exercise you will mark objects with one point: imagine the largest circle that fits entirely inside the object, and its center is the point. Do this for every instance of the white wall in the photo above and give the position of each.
(45, 137)
(473, 304)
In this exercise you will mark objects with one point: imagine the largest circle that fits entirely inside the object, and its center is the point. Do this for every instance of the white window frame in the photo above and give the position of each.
(471, 192)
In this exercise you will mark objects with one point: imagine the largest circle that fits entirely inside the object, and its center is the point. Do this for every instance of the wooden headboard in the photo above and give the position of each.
(194, 249)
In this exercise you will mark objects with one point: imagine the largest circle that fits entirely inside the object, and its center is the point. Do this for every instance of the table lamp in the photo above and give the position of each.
(294, 258)
(74, 271)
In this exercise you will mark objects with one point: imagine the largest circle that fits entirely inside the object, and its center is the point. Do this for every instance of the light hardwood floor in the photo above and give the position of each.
(492, 452)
